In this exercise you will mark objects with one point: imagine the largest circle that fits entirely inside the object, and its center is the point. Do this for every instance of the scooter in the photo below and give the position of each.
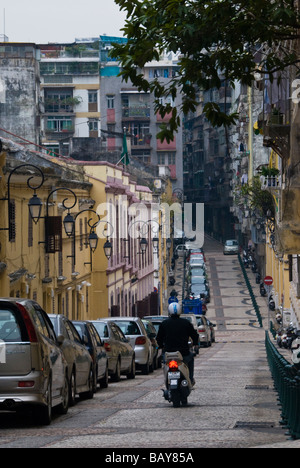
(177, 380)
(271, 303)
(262, 290)
(291, 333)
(295, 348)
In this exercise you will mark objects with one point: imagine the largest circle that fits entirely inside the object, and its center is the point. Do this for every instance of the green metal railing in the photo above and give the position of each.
(255, 305)
(287, 384)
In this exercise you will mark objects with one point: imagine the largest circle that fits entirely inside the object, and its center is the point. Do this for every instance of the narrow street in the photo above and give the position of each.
(233, 404)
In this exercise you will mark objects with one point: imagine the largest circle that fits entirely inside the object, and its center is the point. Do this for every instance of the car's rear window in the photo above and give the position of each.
(128, 328)
(102, 329)
(231, 243)
(12, 328)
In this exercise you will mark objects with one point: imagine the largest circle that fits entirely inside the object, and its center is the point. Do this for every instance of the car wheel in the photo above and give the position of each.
(117, 374)
(146, 368)
(104, 381)
(43, 414)
(131, 374)
(90, 393)
(65, 393)
(72, 389)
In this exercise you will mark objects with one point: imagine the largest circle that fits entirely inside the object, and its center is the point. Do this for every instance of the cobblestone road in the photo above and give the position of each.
(233, 404)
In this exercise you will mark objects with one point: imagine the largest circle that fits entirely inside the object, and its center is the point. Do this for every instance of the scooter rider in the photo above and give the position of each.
(174, 335)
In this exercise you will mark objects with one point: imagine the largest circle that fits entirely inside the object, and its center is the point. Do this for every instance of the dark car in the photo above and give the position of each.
(80, 364)
(212, 329)
(156, 320)
(95, 346)
(121, 356)
(152, 333)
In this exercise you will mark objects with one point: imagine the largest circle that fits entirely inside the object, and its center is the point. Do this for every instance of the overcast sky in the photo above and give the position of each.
(43, 21)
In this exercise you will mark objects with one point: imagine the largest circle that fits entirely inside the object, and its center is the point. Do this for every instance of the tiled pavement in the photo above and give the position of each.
(233, 404)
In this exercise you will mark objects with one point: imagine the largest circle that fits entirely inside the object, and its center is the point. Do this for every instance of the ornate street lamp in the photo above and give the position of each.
(34, 205)
(107, 249)
(93, 241)
(143, 245)
(35, 208)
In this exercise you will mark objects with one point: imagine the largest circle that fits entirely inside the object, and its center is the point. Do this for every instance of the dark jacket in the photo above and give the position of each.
(174, 334)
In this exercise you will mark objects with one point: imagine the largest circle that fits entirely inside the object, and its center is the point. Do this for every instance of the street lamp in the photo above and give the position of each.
(93, 241)
(155, 242)
(107, 249)
(35, 208)
(34, 205)
(69, 224)
(143, 245)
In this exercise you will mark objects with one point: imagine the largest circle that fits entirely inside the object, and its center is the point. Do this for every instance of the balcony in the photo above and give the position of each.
(276, 132)
(271, 182)
(136, 112)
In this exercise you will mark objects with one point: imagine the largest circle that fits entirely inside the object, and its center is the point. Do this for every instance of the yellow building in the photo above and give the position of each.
(41, 262)
(122, 285)
(38, 260)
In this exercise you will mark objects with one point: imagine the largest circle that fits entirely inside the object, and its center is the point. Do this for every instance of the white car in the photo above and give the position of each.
(134, 330)
(231, 247)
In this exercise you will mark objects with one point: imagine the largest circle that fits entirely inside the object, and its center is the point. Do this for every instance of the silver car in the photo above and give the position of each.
(121, 357)
(33, 369)
(204, 331)
(231, 247)
(134, 330)
(80, 364)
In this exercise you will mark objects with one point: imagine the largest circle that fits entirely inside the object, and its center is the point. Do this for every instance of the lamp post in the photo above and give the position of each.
(34, 205)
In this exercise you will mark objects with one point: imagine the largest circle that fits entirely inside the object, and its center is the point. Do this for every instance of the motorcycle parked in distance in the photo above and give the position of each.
(271, 303)
(262, 290)
(295, 348)
(177, 380)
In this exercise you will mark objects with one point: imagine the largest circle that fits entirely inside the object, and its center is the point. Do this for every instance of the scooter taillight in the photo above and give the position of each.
(173, 365)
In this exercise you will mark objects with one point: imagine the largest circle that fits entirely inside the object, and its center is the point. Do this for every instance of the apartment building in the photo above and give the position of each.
(20, 91)
(70, 98)
(125, 109)
(207, 164)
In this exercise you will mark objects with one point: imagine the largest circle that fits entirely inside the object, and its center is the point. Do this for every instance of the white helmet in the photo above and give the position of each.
(174, 309)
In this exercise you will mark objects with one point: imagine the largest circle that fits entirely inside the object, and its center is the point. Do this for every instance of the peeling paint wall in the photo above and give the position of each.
(19, 91)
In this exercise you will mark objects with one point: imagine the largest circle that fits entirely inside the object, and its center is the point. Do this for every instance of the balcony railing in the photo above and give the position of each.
(271, 182)
(136, 111)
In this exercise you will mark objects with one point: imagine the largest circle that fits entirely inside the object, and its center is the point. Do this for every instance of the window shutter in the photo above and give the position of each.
(53, 234)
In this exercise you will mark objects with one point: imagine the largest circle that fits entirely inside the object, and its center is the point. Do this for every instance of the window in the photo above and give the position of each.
(110, 101)
(60, 124)
(93, 125)
(12, 221)
(40, 323)
(161, 159)
(93, 96)
(11, 328)
(93, 101)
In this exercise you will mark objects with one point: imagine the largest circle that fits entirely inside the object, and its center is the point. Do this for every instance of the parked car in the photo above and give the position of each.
(91, 339)
(198, 280)
(134, 330)
(203, 330)
(180, 250)
(152, 333)
(197, 262)
(192, 319)
(80, 364)
(202, 291)
(156, 320)
(231, 247)
(196, 271)
(121, 356)
(33, 369)
(212, 329)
